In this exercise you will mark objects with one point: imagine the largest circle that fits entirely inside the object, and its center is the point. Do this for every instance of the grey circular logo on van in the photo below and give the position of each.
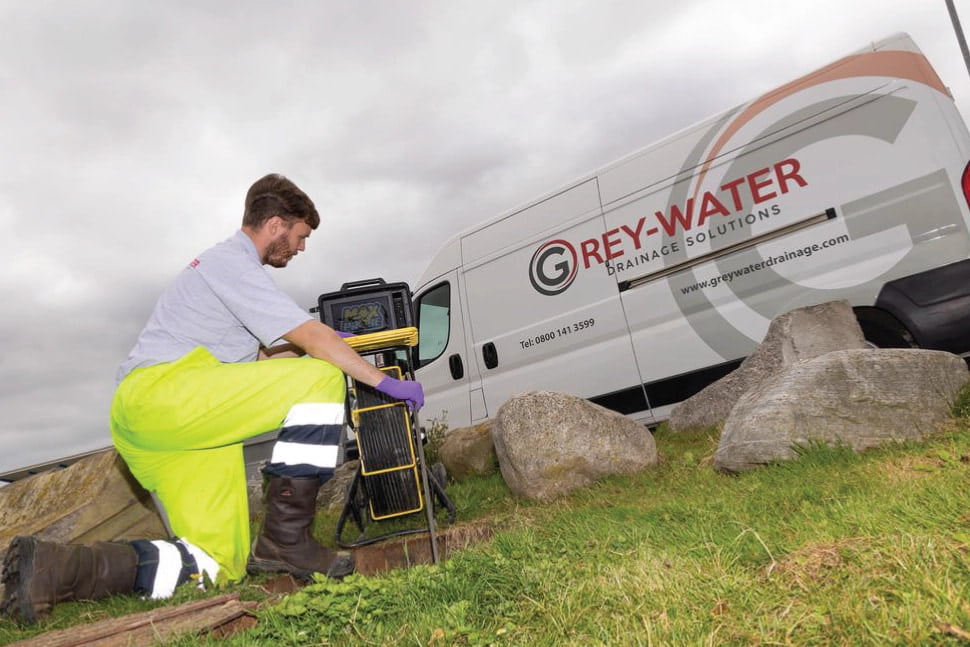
(553, 267)
(762, 293)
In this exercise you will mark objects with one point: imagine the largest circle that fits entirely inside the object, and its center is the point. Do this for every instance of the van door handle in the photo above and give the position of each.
(457, 368)
(490, 355)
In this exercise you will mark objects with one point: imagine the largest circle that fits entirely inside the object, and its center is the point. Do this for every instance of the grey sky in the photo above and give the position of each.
(131, 130)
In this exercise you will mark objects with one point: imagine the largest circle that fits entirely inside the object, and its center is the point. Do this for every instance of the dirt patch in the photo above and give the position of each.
(809, 565)
(417, 549)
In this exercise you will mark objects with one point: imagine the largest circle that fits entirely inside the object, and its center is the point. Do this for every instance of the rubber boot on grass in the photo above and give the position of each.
(39, 574)
(285, 543)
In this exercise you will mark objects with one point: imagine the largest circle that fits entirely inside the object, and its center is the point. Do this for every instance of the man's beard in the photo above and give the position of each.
(279, 252)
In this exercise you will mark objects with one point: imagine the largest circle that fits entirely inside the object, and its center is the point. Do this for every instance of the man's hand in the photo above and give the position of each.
(408, 390)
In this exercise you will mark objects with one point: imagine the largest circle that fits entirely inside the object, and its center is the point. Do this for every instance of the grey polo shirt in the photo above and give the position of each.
(225, 301)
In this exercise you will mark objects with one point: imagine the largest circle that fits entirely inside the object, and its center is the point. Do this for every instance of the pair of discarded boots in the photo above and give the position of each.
(39, 574)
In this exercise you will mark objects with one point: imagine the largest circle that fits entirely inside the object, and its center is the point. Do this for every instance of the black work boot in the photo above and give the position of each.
(39, 574)
(285, 542)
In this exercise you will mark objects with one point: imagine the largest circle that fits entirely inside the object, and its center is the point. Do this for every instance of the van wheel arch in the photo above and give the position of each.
(882, 330)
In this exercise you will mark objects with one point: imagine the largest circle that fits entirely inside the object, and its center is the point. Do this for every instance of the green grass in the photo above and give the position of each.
(833, 548)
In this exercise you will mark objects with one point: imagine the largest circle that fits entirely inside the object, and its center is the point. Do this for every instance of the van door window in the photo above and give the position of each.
(434, 320)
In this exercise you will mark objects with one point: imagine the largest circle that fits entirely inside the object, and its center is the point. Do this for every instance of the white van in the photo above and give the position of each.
(641, 283)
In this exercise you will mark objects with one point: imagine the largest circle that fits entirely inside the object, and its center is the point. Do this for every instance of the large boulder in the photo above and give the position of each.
(550, 443)
(94, 499)
(468, 451)
(856, 398)
(792, 337)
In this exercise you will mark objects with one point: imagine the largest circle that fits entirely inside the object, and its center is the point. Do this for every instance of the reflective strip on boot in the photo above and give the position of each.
(165, 564)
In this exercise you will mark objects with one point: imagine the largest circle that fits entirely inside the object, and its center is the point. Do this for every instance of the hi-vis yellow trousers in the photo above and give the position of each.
(180, 427)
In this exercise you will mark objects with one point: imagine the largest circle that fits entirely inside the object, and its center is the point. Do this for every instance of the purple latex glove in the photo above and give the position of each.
(407, 390)
(344, 335)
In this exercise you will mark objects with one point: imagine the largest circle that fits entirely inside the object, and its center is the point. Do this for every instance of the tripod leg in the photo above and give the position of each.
(437, 482)
(351, 509)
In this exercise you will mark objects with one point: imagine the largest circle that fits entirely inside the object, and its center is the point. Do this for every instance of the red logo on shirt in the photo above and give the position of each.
(194, 263)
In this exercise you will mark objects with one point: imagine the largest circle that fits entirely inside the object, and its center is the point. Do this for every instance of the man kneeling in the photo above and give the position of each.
(191, 391)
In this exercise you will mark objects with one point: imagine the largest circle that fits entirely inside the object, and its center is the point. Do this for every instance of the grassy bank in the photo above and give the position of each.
(833, 548)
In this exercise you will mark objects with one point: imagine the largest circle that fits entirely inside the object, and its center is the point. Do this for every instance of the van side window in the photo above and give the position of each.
(434, 322)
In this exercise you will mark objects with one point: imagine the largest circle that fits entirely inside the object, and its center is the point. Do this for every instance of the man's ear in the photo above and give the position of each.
(273, 225)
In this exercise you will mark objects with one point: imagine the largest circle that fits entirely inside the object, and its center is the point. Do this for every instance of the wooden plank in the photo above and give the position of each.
(150, 627)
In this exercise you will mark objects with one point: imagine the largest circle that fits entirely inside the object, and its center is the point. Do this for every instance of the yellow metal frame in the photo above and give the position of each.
(414, 459)
(413, 465)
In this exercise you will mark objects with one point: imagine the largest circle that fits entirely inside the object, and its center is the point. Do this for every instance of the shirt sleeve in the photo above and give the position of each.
(260, 306)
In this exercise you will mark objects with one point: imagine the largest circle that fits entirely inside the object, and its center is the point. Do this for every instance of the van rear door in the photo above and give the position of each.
(825, 188)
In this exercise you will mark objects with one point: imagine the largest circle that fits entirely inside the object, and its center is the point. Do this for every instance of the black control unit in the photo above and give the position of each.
(368, 306)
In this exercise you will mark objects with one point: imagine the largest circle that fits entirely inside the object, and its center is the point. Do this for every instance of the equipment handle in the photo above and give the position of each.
(362, 283)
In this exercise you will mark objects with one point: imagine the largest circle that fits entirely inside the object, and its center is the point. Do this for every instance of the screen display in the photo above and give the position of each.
(361, 316)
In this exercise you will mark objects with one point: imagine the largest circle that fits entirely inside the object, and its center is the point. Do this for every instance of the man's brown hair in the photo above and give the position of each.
(275, 195)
